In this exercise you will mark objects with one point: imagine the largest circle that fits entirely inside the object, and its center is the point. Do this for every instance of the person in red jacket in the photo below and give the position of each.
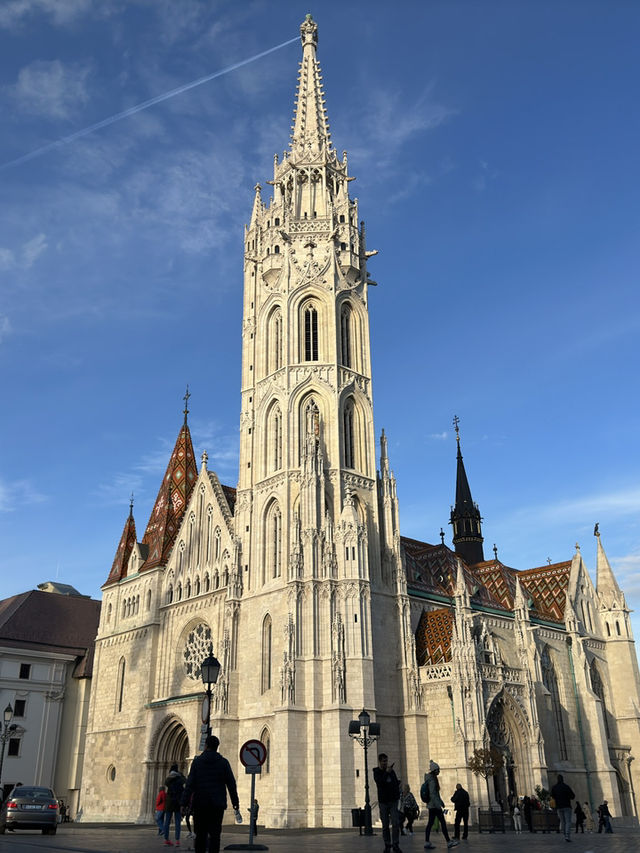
(160, 801)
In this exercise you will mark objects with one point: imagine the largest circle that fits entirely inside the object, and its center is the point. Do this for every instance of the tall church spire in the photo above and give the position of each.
(310, 121)
(172, 499)
(465, 515)
(606, 584)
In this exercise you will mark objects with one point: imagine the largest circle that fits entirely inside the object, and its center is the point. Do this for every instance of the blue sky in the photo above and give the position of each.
(495, 147)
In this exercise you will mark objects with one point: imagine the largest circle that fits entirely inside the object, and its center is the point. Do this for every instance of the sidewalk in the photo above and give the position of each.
(120, 838)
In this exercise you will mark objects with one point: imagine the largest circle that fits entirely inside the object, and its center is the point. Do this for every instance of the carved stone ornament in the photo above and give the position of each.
(196, 649)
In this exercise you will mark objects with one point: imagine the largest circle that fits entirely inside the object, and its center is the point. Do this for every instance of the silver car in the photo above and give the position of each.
(30, 807)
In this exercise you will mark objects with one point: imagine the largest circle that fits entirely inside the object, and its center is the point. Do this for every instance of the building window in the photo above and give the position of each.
(598, 688)
(275, 342)
(310, 333)
(217, 536)
(345, 336)
(265, 738)
(550, 681)
(266, 654)
(274, 434)
(120, 691)
(347, 430)
(25, 670)
(14, 747)
(18, 707)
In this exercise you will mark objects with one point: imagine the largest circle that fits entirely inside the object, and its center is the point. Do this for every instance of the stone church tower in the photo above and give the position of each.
(314, 604)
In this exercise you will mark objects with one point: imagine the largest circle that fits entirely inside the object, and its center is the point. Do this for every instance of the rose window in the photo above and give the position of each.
(196, 650)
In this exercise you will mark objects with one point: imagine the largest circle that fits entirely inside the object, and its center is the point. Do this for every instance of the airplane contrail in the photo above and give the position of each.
(139, 107)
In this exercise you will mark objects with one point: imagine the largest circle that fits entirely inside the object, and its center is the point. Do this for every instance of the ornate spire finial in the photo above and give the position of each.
(442, 536)
(577, 548)
(309, 32)
(549, 561)
(596, 530)
(456, 421)
(495, 551)
(205, 459)
(131, 506)
(186, 404)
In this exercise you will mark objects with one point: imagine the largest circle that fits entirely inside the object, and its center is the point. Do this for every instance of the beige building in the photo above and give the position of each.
(313, 602)
(46, 656)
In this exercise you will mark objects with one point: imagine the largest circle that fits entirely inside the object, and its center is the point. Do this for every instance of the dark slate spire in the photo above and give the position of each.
(465, 515)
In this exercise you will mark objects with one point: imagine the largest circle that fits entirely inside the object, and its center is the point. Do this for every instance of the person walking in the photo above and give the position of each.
(526, 810)
(430, 794)
(388, 786)
(517, 819)
(604, 817)
(409, 808)
(253, 816)
(588, 817)
(461, 804)
(580, 816)
(160, 800)
(174, 784)
(563, 795)
(209, 779)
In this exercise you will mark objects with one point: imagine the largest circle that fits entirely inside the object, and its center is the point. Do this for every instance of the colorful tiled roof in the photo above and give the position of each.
(433, 636)
(434, 568)
(123, 552)
(230, 495)
(547, 586)
(172, 500)
(499, 580)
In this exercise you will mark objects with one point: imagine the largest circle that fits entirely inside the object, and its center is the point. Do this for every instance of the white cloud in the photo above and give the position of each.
(7, 260)
(14, 12)
(5, 327)
(32, 250)
(439, 436)
(18, 493)
(50, 88)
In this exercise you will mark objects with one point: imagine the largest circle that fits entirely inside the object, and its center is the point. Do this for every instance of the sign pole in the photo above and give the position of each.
(253, 796)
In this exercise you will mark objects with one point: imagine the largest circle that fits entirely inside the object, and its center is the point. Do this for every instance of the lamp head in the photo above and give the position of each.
(8, 714)
(364, 719)
(210, 668)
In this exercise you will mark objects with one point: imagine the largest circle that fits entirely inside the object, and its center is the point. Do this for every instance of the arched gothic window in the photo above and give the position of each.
(274, 341)
(197, 586)
(266, 654)
(310, 333)
(309, 421)
(345, 336)
(218, 542)
(598, 688)
(265, 738)
(209, 523)
(550, 681)
(122, 666)
(274, 437)
(273, 541)
(347, 434)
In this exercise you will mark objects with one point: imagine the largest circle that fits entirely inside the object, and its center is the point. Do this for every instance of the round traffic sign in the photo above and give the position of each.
(253, 753)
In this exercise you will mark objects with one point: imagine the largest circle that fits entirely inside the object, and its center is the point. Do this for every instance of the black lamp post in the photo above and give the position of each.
(7, 731)
(209, 670)
(366, 733)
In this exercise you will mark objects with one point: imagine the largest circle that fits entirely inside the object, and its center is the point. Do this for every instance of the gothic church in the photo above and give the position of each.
(314, 603)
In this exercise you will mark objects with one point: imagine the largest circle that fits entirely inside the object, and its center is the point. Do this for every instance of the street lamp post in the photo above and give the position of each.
(366, 733)
(7, 731)
(209, 670)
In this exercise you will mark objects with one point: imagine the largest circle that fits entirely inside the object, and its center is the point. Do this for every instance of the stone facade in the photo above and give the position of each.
(312, 601)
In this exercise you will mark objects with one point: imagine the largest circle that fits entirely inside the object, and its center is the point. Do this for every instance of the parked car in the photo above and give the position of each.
(30, 807)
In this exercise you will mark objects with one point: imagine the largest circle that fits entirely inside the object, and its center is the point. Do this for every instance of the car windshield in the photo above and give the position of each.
(33, 793)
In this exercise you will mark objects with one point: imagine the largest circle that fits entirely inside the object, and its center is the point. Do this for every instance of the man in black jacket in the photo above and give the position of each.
(209, 780)
(563, 795)
(388, 786)
(461, 805)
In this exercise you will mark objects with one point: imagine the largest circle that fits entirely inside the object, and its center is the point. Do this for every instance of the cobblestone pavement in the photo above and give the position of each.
(119, 838)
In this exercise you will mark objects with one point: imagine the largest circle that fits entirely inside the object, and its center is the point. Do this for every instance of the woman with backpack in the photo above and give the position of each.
(174, 784)
(430, 794)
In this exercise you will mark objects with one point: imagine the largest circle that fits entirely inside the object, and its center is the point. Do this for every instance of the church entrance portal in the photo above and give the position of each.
(171, 747)
(505, 736)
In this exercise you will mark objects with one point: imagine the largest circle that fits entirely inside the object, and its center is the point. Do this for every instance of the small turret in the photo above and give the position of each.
(125, 547)
(465, 515)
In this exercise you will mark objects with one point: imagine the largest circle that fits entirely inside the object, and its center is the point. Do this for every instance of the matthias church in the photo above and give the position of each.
(314, 603)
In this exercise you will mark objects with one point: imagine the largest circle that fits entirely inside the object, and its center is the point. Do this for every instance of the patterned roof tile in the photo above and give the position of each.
(433, 636)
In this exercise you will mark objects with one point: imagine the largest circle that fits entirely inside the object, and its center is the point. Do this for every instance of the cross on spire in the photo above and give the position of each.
(456, 421)
(186, 404)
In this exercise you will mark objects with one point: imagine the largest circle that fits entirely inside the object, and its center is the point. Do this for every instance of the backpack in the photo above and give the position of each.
(424, 792)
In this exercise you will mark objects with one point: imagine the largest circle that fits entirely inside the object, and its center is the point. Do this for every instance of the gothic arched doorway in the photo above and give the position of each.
(506, 734)
(170, 746)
